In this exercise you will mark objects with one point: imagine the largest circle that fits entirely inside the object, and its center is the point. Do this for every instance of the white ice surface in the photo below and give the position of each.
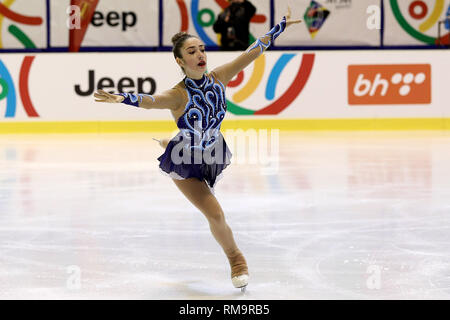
(347, 216)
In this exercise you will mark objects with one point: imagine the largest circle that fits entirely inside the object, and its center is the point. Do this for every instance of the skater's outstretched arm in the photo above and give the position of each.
(229, 70)
(169, 99)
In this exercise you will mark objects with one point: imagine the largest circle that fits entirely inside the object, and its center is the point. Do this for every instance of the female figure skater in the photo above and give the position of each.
(198, 104)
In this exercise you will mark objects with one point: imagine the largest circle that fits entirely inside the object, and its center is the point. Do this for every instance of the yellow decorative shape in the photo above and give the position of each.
(439, 6)
(253, 83)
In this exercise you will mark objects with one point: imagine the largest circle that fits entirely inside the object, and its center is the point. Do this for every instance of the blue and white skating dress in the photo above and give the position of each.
(199, 149)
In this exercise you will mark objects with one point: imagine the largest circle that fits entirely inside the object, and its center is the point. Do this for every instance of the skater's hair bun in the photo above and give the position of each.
(178, 36)
(178, 40)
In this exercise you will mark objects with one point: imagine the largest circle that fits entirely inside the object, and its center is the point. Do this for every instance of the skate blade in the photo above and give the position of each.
(240, 281)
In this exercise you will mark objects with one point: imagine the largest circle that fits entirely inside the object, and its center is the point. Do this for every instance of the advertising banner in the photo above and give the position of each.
(331, 22)
(23, 24)
(197, 17)
(284, 85)
(411, 22)
(114, 23)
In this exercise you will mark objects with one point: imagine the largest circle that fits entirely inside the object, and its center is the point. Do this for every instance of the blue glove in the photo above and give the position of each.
(274, 33)
(132, 99)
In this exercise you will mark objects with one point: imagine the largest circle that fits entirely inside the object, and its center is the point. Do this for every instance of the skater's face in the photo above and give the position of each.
(193, 59)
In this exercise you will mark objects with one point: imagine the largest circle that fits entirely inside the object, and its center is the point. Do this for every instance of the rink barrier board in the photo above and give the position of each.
(281, 124)
(317, 91)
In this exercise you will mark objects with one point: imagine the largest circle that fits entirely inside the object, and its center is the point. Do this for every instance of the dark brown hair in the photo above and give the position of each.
(178, 40)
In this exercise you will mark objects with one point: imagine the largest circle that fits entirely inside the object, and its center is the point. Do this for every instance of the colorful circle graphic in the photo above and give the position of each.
(286, 98)
(254, 81)
(426, 25)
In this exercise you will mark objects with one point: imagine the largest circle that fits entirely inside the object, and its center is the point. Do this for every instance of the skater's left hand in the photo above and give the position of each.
(103, 96)
(289, 20)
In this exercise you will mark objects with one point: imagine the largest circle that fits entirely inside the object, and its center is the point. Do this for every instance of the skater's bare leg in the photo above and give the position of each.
(163, 142)
(201, 197)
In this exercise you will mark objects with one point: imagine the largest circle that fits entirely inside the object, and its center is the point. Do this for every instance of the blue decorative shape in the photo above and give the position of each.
(198, 28)
(11, 96)
(275, 75)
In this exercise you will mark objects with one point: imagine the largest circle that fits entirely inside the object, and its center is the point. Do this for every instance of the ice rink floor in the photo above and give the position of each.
(347, 215)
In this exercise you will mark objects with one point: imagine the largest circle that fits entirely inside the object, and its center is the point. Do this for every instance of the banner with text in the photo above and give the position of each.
(115, 23)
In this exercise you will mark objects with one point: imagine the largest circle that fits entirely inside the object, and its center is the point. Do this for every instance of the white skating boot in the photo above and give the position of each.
(239, 270)
(240, 282)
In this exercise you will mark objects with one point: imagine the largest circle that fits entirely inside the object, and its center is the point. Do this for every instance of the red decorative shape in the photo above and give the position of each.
(422, 14)
(444, 39)
(184, 15)
(5, 11)
(236, 82)
(76, 36)
(23, 87)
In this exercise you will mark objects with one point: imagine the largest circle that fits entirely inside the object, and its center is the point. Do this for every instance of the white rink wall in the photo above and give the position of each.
(311, 85)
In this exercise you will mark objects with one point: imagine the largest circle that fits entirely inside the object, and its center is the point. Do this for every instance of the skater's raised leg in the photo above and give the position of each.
(163, 142)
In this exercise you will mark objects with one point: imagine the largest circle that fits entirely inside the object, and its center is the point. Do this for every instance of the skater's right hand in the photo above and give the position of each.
(289, 20)
(103, 96)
